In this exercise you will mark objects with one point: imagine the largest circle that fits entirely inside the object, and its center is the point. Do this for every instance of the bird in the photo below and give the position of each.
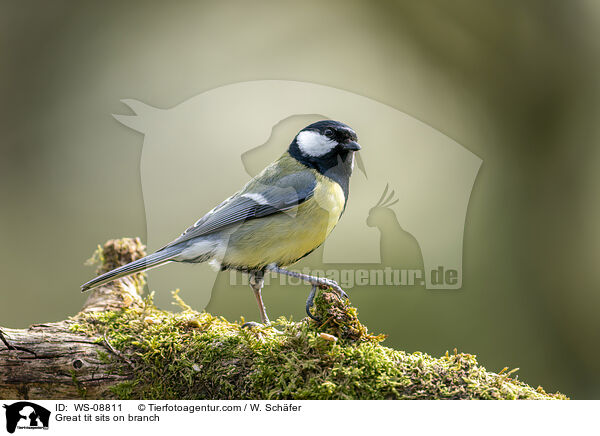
(280, 216)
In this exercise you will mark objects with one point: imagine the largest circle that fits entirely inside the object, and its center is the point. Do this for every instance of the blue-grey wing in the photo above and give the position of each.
(256, 200)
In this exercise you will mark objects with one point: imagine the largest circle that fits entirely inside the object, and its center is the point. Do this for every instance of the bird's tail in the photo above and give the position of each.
(136, 266)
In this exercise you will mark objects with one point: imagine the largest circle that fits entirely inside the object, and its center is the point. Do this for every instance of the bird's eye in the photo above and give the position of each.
(329, 133)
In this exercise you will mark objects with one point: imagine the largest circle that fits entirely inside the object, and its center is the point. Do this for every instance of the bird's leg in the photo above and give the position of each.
(256, 283)
(320, 282)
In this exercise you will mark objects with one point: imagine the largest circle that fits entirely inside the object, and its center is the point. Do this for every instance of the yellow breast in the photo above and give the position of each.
(284, 238)
(328, 196)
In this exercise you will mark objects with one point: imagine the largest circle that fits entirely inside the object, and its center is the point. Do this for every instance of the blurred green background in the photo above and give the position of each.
(515, 82)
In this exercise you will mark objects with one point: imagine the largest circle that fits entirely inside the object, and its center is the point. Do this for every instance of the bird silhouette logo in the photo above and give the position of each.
(398, 247)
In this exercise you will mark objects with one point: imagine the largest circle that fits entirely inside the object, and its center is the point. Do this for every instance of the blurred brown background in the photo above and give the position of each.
(516, 82)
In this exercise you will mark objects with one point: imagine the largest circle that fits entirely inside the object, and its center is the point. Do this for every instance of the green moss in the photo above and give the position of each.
(198, 355)
(337, 317)
(103, 357)
(124, 391)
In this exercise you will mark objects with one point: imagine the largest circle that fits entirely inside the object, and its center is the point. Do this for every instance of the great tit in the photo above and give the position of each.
(277, 218)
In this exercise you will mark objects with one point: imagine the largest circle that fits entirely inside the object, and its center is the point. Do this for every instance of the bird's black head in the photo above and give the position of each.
(325, 146)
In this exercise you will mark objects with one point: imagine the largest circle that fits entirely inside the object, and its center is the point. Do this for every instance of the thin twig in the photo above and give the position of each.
(116, 352)
(326, 322)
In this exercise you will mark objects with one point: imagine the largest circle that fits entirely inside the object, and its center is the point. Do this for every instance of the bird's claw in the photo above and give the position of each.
(310, 302)
(343, 294)
(328, 283)
(251, 324)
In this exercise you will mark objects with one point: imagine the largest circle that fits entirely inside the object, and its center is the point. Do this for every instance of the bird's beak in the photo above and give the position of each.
(351, 146)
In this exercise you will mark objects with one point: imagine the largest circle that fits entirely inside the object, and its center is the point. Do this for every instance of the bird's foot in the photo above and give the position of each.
(252, 324)
(325, 283)
(321, 282)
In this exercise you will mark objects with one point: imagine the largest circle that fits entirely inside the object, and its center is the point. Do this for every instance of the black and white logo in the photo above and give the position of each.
(26, 415)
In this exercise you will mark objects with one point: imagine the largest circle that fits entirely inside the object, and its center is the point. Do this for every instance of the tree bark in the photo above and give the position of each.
(49, 361)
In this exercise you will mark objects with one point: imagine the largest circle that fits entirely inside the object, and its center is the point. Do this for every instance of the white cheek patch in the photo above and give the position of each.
(314, 144)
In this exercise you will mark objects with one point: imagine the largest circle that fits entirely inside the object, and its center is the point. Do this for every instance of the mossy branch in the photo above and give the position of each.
(122, 346)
